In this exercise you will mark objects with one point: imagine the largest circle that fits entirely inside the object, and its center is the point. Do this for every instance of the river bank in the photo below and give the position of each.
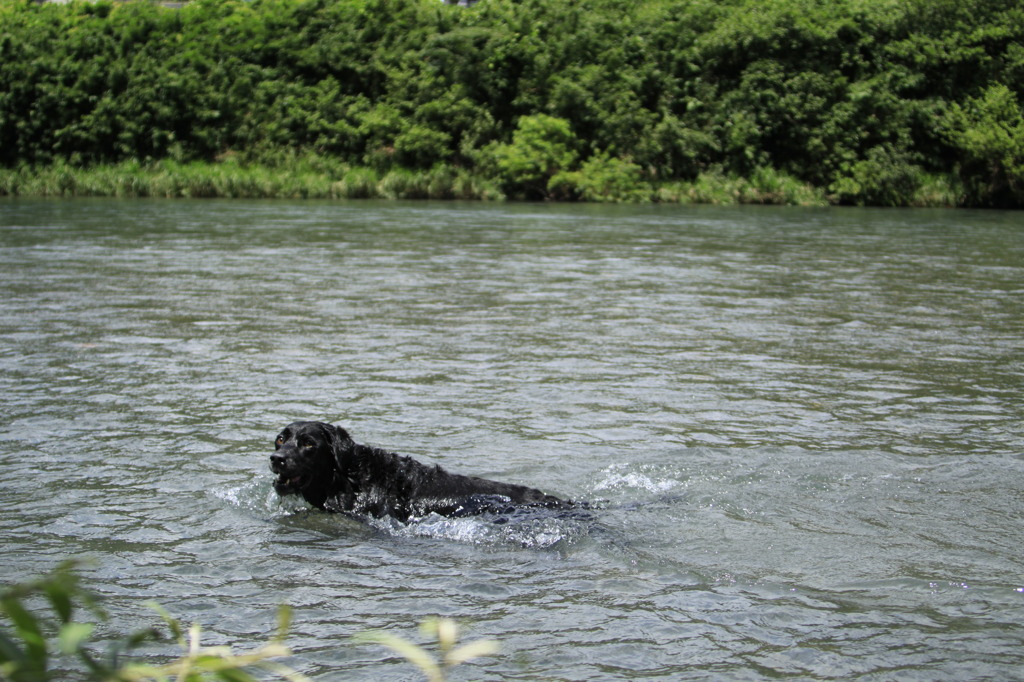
(560, 100)
(318, 178)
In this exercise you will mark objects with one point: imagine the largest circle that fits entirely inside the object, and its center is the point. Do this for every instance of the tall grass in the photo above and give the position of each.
(315, 177)
(299, 180)
(166, 179)
(765, 186)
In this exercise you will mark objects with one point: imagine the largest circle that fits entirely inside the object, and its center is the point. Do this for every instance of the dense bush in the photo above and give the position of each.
(38, 647)
(870, 103)
(989, 131)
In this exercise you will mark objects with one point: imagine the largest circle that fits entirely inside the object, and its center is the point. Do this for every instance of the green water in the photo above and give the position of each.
(803, 428)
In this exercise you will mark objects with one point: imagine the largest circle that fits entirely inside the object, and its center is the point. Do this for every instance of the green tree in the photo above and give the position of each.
(602, 178)
(542, 147)
(988, 131)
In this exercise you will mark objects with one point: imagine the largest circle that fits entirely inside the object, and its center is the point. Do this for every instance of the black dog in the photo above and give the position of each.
(322, 463)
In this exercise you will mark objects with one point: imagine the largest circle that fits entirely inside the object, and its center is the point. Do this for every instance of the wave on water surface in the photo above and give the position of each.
(623, 477)
(529, 528)
(534, 528)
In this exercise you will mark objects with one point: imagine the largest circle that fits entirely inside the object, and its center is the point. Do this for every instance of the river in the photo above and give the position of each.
(802, 429)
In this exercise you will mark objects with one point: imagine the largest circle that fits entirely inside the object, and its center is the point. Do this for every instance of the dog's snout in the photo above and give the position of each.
(276, 462)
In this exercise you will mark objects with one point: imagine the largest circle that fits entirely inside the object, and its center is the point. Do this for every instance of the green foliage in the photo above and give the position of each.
(32, 647)
(358, 183)
(542, 147)
(887, 177)
(287, 178)
(199, 663)
(27, 654)
(519, 95)
(28, 651)
(765, 186)
(988, 131)
(446, 634)
(602, 178)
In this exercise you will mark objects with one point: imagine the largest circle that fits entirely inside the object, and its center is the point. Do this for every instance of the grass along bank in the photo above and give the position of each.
(317, 178)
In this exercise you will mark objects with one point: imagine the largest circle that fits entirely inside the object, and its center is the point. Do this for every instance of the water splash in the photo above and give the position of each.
(529, 528)
(625, 477)
(258, 496)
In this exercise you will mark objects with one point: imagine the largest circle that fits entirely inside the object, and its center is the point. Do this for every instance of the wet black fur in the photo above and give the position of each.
(322, 463)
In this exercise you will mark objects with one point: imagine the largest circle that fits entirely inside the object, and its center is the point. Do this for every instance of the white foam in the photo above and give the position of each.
(614, 480)
(533, 529)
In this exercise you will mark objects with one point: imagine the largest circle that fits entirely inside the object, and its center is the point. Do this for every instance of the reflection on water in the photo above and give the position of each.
(801, 429)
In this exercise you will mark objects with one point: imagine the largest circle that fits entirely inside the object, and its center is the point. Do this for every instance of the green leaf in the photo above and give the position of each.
(284, 620)
(407, 650)
(59, 595)
(172, 623)
(72, 635)
(235, 675)
(9, 650)
(26, 625)
(467, 652)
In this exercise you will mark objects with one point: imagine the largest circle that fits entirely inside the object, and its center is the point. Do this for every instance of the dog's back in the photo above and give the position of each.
(386, 484)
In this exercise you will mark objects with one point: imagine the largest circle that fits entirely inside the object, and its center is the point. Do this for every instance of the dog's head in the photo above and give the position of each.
(307, 459)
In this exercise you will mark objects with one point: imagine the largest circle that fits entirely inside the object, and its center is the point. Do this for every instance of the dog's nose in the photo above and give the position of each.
(276, 462)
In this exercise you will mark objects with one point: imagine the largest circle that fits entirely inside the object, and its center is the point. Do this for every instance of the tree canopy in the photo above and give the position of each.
(868, 101)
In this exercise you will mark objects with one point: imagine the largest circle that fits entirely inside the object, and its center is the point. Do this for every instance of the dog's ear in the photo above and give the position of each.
(341, 445)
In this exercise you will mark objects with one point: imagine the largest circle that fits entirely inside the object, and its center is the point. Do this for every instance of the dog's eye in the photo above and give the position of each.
(278, 442)
(306, 446)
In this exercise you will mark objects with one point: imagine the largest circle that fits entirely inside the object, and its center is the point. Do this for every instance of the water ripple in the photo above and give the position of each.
(801, 430)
